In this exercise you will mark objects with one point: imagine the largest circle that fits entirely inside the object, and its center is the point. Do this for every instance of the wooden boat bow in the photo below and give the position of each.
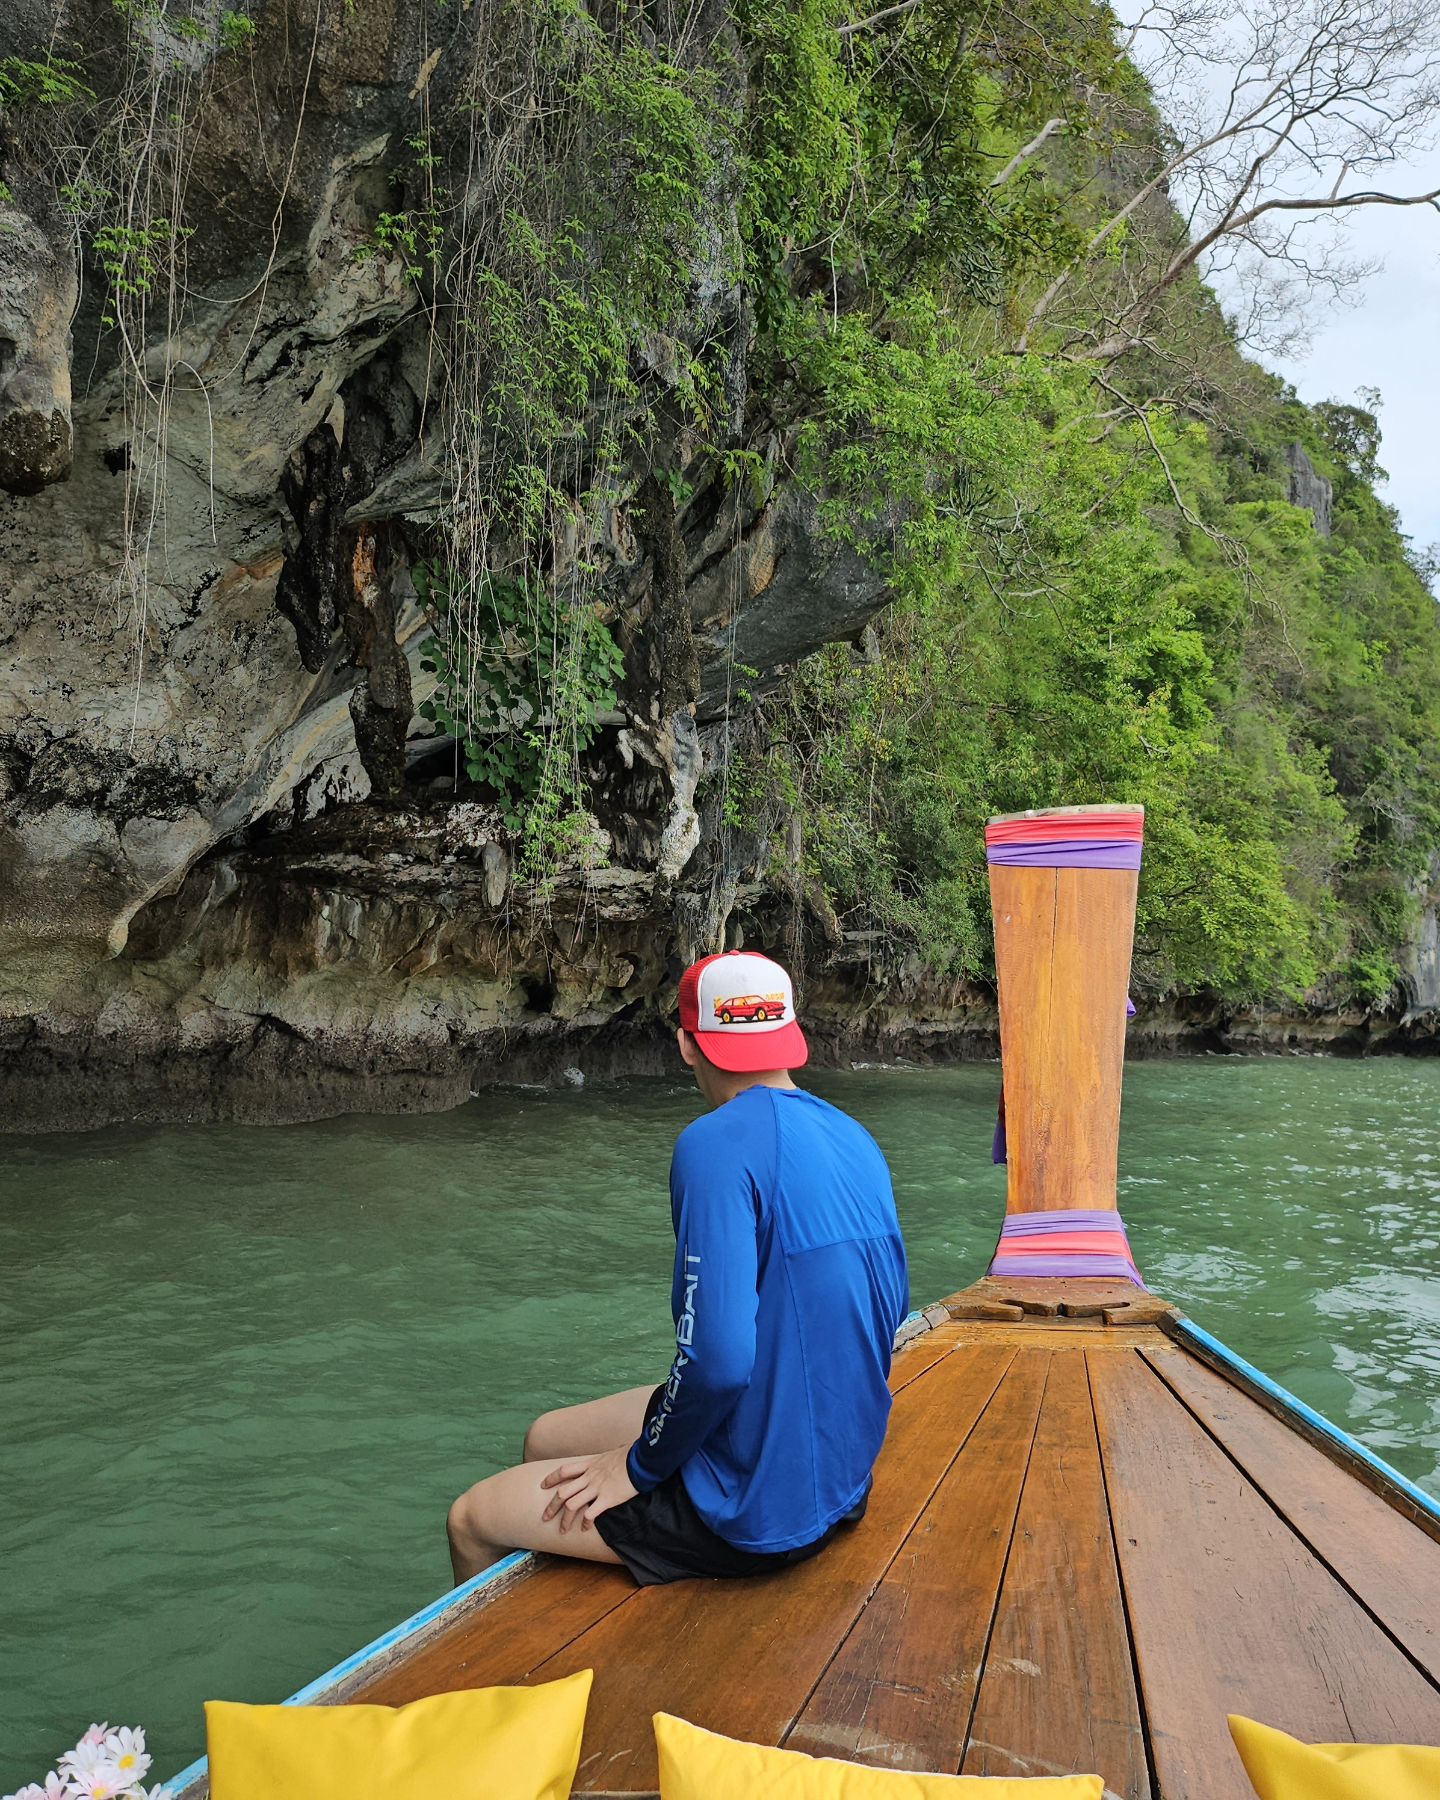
(1094, 1530)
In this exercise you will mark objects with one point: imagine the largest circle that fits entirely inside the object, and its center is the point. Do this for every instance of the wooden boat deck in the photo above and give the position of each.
(1084, 1548)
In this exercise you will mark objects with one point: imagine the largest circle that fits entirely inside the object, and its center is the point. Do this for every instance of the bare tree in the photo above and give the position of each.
(1280, 120)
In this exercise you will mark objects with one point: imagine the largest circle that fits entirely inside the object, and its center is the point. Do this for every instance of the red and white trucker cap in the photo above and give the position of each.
(740, 1009)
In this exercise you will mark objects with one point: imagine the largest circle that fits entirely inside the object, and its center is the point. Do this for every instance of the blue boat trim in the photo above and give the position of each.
(1187, 1331)
(428, 1615)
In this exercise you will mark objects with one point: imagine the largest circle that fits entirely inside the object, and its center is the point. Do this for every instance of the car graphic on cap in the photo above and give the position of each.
(750, 1008)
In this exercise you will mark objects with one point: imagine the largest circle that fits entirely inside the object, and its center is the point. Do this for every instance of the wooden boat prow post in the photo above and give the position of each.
(1095, 1531)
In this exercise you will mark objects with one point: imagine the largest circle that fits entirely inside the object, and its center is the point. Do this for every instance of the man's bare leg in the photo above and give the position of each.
(505, 1511)
(596, 1425)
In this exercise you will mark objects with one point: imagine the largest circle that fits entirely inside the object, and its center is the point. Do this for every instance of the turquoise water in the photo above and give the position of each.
(243, 1371)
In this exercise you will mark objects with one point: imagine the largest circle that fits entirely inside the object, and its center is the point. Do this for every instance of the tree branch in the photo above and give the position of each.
(889, 12)
(1118, 342)
(1050, 127)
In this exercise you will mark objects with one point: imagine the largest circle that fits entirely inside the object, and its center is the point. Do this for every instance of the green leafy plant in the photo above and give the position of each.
(520, 679)
(44, 81)
(415, 238)
(237, 30)
(131, 256)
(568, 271)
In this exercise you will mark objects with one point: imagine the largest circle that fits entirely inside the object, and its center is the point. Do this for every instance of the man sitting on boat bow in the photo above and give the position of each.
(790, 1283)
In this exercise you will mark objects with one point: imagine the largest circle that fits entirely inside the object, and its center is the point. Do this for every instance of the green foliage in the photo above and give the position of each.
(571, 278)
(132, 257)
(1064, 632)
(507, 663)
(47, 80)
(1352, 434)
(869, 156)
(414, 237)
(565, 279)
(237, 30)
(1065, 628)
(1280, 723)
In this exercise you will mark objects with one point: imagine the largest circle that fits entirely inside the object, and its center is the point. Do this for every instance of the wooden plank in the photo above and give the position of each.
(506, 1640)
(1108, 1299)
(1329, 1438)
(1229, 1610)
(1057, 1334)
(1376, 1551)
(1057, 1696)
(900, 1690)
(741, 1657)
(1023, 904)
(1062, 960)
(922, 1353)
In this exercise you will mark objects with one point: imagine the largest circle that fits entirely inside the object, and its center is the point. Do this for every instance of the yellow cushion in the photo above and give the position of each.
(1282, 1768)
(699, 1765)
(484, 1744)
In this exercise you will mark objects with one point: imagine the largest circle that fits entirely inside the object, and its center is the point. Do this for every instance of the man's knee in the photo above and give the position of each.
(463, 1522)
(541, 1440)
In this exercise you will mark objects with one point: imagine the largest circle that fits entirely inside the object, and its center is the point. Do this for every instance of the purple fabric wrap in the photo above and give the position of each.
(1045, 1224)
(1067, 853)
(1119, 1265)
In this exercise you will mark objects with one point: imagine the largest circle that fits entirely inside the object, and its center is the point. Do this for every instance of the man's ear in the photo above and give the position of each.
(689, 1050)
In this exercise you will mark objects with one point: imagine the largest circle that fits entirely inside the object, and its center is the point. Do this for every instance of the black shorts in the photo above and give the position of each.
(660, 1537)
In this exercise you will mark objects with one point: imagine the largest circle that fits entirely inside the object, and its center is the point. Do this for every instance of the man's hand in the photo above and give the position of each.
(587, 1486)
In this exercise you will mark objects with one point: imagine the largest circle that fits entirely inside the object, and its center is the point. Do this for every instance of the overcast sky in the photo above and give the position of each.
(1388, 336)
(1391, 340)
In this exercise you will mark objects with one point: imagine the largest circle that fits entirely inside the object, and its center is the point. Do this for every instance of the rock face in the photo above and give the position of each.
(1308, 488)
(1422, 964)
(37, 298)
(233, 880)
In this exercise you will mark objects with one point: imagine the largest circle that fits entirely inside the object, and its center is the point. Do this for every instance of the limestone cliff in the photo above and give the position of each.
(1308, 488)
(237, 874)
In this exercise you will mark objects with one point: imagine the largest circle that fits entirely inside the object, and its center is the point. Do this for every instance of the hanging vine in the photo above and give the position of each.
(564, 222)
(116, 135)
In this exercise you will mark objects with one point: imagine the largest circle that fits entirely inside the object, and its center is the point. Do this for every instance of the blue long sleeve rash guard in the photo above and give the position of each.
(790, 1283)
